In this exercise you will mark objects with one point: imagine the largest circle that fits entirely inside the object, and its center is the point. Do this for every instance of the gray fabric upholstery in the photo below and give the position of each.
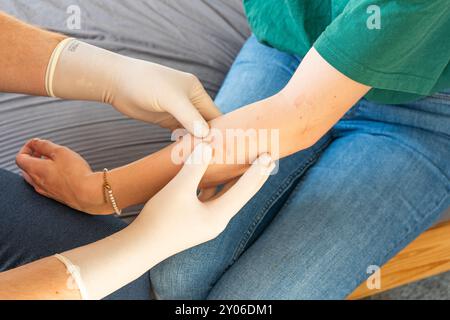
(197, 36)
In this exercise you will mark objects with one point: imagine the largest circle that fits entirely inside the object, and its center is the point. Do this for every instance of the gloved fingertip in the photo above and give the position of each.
(265, 159)
(202, 154)
(271, 168)
(201, 129)
(266, 163)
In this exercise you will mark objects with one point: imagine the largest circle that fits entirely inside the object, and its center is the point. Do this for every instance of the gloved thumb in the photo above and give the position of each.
(229, 204)
(194, 168)
(206, 106)
(189, 117)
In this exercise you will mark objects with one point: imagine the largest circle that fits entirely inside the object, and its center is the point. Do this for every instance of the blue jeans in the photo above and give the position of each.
(372, 184)
(33, 227)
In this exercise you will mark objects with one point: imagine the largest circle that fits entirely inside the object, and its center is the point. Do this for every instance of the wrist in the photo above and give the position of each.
(92, 195)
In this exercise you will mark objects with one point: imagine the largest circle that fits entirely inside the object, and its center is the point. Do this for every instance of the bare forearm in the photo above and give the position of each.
(24, 56)
(45, 279)
(137, 182)
(313, 101)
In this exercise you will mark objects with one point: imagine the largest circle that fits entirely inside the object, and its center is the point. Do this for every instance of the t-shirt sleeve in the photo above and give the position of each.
(401, 45)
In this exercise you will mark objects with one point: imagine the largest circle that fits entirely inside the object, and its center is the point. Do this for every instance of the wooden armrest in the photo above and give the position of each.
(426, 256)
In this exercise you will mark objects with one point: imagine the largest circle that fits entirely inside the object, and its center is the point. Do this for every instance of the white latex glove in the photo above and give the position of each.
(139, 89)
(172, 221)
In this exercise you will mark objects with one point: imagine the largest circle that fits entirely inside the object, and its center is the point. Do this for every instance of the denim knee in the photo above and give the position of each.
(177, 279)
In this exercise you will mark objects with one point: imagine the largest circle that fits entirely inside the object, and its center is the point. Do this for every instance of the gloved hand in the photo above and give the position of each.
(139, 89)
(172, 221)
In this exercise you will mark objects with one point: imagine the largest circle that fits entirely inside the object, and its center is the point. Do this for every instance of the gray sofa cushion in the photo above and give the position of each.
(201, 37)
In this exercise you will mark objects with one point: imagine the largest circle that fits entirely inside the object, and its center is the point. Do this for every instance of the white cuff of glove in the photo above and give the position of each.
(76, 275)
(49, 75)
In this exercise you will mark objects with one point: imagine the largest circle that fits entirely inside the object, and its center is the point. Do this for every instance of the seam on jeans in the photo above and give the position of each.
(286, 184)
(390, 252)
(442, 96)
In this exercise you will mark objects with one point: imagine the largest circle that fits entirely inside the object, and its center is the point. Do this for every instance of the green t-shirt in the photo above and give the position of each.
(400, 48)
